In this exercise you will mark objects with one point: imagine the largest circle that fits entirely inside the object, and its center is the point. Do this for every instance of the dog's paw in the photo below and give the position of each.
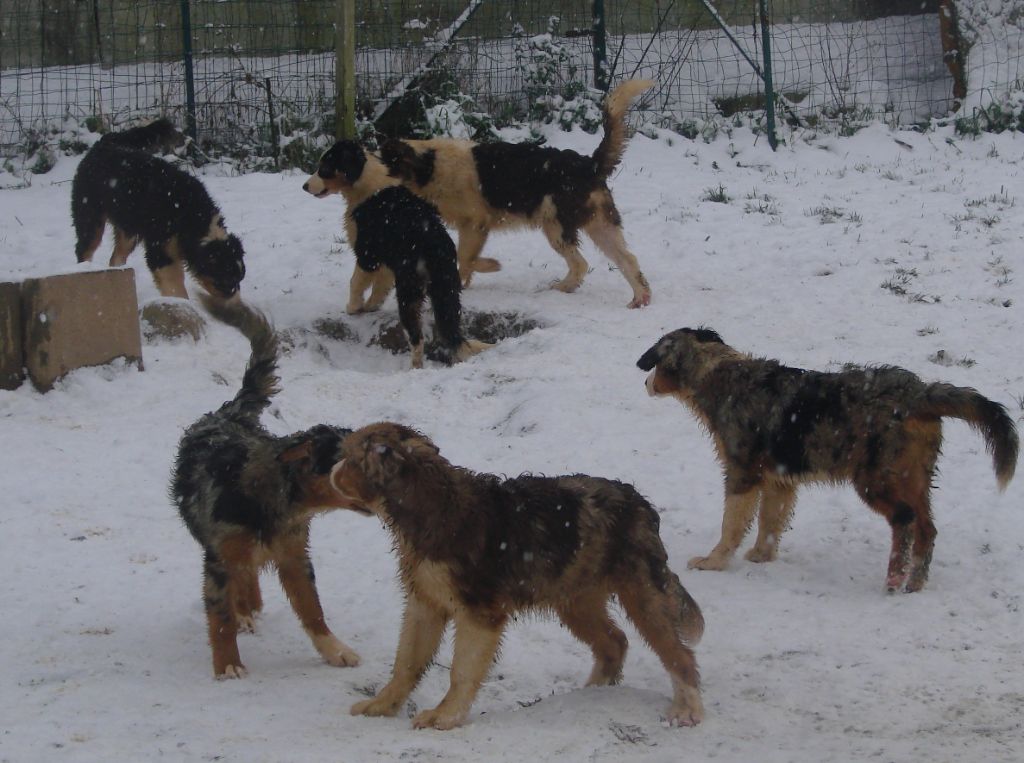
(760, 555)
(439, 719)
(246, 623)
(641, 300)
(354, 308)
(684, 715)
(566, 285)
(342, 658)
(376, 707)
(706, 563)
(335, 652)
(232, 671)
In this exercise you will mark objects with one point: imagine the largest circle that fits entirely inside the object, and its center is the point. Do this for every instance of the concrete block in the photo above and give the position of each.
(77, 320)
(12, 359)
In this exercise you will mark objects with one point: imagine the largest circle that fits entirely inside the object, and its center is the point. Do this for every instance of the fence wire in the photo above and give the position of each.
(265, 68)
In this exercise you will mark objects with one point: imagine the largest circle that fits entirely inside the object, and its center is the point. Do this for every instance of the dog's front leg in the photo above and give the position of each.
(739, 513)
(383, 283)
(422, 628)
(476, 643)
(357, 285)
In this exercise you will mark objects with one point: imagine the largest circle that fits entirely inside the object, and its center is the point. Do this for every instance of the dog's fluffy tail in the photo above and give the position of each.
(987, 417)
(159, 134)
(691, 620)
(609, 150)
(260, 382)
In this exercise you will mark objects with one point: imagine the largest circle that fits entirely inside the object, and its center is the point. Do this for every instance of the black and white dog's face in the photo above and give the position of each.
(678, 358)
(219, 265)
(340, 166)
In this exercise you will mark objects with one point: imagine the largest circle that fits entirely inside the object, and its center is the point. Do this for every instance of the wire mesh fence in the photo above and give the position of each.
(263, 70)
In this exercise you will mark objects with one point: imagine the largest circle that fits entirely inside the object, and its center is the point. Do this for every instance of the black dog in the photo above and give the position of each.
(144, 197)
(248, 498)
(389, 226)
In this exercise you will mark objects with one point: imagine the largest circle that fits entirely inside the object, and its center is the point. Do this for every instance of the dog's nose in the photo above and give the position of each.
(305, 186)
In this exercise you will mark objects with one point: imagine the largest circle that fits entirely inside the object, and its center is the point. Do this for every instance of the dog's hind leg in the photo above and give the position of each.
(247, 597)
(295, 570)
(587, 619)
(422, 628)
(88, 232)
(410, 293)
(653, 613)
(738, 514)
(476, 644)
(777, 503)
(607, 236)
(221, 620)
(124, 244)
(569, 248)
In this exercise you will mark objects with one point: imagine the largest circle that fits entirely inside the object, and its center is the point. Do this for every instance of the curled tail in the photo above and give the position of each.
(987, 417)
(260, 381)
(609, 150)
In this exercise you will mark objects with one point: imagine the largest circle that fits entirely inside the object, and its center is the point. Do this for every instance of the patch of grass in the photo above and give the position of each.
(717, 195)
(827, 214)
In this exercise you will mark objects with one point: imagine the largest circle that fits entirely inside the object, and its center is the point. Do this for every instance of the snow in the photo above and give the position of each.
(104, 649)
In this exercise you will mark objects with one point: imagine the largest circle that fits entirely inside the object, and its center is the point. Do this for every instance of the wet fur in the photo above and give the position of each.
(478, 549)
(143, 197)
(480, 188)
(399, 236)
(248, 496)
(777, 427)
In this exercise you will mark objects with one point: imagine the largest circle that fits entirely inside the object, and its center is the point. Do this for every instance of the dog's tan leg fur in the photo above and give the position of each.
(422, 628)
(476, 644)
(124, 245)
(295, 571)
(738, 514)
(587, 618)
(777, 503)
(235, 559)
(471, 242)
(609, 239)
(570, 253)
(170, 280)
(383, 283)
(650, 611)
(357, 286)
(248, 600)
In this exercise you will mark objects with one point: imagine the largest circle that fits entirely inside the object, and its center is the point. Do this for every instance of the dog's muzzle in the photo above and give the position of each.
(316, 187)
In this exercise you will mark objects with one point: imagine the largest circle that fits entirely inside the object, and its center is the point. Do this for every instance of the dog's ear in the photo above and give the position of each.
(297, 452)
(650, 358)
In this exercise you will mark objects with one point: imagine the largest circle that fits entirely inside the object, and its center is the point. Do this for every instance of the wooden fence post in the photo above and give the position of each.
(345, 70)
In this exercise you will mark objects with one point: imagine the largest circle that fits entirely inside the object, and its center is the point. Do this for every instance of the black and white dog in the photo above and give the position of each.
(144, 197)
(394, 231)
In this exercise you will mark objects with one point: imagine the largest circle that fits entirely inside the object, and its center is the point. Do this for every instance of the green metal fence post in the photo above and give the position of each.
(769, 90)
(600, 47)
(345, 70)
(190, 84)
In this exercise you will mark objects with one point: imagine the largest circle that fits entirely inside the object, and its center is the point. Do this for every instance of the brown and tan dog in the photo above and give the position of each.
(479, 188)
(478, 549)
(777, 427)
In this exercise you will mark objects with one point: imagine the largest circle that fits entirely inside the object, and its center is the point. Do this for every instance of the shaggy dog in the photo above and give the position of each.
(479, 549)
(479, 188)
(395, 232)
(248, 497)
(146, 198)
(777, 427)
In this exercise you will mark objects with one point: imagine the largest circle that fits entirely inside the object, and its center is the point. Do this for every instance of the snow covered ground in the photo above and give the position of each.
(104, 650)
